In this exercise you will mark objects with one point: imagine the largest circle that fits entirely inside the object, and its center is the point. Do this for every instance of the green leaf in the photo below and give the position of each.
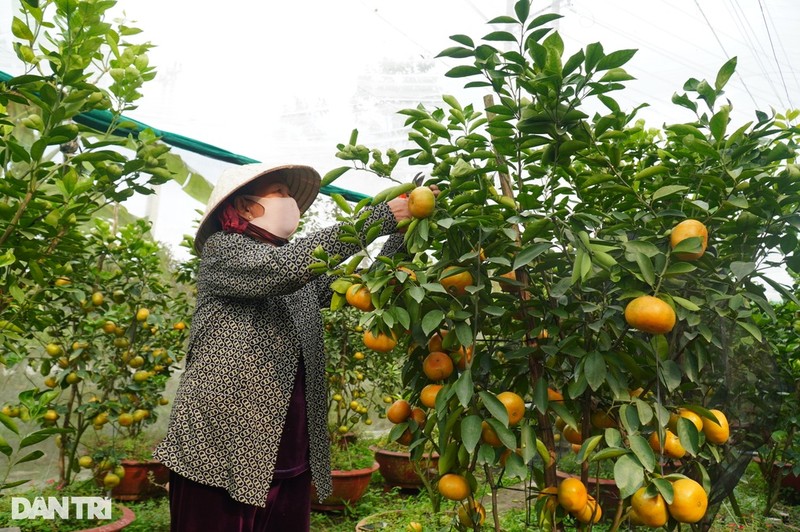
(471, 432)
(9, 423)
(495, 407)
(693, 244)
(35, 455)
(689, 436)
(613, 437)
(664, 487)
(594, 53)
(403, 317)
(741, 270)
(435, 127)
(629, 475)
(608, 453)
(527, 442)
(464, 388)
(668, 190)
(21, 30)
(643, 410)
(5, 448)
(529, 253)
(503, 19)
(646, 268)
(337, 301)
(397, 431)
(615, 59)
(417, 293)
(616, 74)
(506, 436)
(650, 171)
(750, 328)
(648, 249)
(502, 36)
(629, 417)
(456, 52)
(670, 375)
(719, 122)
(431, 321)
(342, 203)
(14, 484)
(462, 71)
(515, 467)
(564, 413)
(463, 39)
(340, 286)
(464, 333)
(522, 9)
(679, 268)
(544, 454)
(643, 452)
(39, 436)
(725, 73)
(701, 147)
(6, 259)
(588, 446)
(491, 310)
(685, 303)
(543, 19)
(595, 370)
(333, 175)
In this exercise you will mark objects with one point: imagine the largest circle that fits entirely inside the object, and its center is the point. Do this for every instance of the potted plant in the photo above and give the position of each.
(130, 459)
(352, 466)
(357, 382)
(117, 334)
(401, 468)
(53, 298)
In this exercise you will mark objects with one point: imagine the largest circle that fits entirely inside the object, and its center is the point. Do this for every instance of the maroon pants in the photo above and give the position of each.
(195, 507)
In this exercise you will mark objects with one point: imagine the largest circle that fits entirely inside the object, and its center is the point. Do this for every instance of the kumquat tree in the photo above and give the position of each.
(580, 276)
(74, 276)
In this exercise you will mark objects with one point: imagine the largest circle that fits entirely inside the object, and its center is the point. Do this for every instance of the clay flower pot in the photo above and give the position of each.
(397, 469)
(127, 518)
(348, 488)
(136, 483)
(789, 479)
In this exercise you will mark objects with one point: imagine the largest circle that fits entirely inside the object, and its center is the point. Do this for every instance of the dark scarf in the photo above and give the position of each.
(233, 222)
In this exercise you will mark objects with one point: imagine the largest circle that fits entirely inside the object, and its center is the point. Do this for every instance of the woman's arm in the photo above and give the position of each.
(237, 266)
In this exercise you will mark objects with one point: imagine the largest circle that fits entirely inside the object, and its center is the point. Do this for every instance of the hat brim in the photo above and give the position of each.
(303, 182)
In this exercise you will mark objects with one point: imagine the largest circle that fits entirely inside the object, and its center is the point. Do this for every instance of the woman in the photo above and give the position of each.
(247, 433)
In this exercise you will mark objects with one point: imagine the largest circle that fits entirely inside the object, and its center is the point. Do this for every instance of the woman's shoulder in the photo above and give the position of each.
(222, 241)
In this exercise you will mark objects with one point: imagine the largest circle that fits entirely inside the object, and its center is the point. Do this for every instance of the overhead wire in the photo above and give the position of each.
(783, 48)
(774, 54)
(722, 46)
(753, 44)
(665, 52)
(662, 51)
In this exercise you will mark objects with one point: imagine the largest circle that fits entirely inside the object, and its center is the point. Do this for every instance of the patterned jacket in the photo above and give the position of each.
(258, 311)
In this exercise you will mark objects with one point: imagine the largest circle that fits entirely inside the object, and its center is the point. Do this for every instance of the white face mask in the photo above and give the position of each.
(281, 215)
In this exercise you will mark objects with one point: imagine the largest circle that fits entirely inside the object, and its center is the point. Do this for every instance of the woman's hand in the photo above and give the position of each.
(399, 205)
